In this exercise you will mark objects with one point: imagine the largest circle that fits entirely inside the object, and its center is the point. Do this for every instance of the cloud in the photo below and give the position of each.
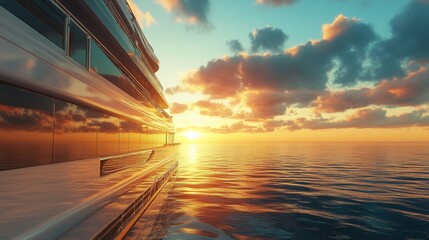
(266, 104)
(349, 40)
(235, 46)
(178, 108)
(268, 38)
(268, 83)
(174, 90)
(107, 127)
(218, 79)
(276, 2)
(364, 118)
(266, 91)
(412, 90)
(145, 19)
(338, 26)
(237, 127)
(13, 119)
(272, 125)
(302, 67)
(209, 108)
(128, 126)
(192, 12)
(408, 42)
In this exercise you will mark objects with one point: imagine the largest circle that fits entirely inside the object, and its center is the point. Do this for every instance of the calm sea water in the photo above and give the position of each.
(298, 191)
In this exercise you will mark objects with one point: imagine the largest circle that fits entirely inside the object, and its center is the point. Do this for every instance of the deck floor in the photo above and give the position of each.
(33, 198)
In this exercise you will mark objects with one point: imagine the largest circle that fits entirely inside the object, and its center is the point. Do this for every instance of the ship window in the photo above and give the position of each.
(129, 136)
(108, 135)
(144, 138)
(124, 136)
(135, 130)
(78, 44)
(102, 64)
(75, 132)
(41, 15)
(26, 128)
(155, 137)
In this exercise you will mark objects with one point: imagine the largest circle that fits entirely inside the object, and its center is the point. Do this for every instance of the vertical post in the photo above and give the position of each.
(67, 35)
(53, 131)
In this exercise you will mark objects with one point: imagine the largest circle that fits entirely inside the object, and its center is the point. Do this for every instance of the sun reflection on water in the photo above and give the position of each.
(277, 191)
(192, 153)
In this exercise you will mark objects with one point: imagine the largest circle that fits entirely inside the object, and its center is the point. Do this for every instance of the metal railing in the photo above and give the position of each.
(123, 222)
(117, 163)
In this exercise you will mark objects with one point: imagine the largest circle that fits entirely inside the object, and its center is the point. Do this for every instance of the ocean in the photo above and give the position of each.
(298, 191)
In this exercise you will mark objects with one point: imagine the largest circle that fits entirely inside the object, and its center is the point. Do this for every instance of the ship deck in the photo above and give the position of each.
(70, 199)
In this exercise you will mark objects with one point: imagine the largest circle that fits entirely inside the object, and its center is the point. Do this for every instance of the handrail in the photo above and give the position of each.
(124, 221)
(124, 155)
(116, 163)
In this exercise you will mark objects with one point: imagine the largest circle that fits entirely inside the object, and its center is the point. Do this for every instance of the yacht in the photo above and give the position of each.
(83, 120)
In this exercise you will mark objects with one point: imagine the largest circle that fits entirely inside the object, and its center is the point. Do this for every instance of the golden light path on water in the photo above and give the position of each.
(298, 191)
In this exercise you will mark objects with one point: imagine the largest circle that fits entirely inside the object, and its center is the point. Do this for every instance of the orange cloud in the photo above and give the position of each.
(412, 90)
(145, 19)
(178, 108)
(209, 108)
(258, 89)
(338, 26)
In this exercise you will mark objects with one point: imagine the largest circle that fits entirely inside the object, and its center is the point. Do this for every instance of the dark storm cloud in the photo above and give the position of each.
(409, 41)
(268, 38)
(235, 46)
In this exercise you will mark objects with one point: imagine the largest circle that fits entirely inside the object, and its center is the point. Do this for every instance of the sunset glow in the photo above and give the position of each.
(192, 135)
(214, 119)
(290, 76)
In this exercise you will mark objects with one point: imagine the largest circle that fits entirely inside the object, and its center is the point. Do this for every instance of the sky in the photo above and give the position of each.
(292, 70)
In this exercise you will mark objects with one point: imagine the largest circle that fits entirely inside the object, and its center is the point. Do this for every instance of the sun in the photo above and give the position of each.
(192, 135)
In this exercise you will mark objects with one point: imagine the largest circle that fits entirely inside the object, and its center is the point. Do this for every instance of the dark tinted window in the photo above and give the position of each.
(105, 15)
(78, 44)
(26, 128)
(41, 15)
(102, 64)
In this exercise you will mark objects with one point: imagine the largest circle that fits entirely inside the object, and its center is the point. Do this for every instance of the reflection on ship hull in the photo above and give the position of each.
(81, 114)
(64, 95)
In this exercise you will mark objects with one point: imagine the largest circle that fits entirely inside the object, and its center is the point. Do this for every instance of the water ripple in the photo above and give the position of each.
(300, 191)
